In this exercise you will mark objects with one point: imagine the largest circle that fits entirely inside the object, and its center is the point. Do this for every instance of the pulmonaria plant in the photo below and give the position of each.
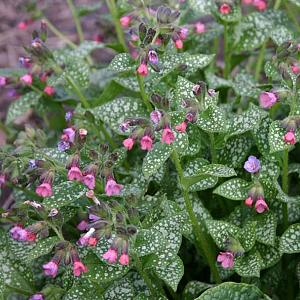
(184, 145)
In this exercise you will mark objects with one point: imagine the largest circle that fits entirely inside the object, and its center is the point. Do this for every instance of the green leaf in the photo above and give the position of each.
(172, 273)
(261, 135)
(270, 69)
(22, 105)
(290, 240)
(121, 289)
(245, 85)
(41, 248)
(213, 119)
(12, 72)
(276, 138)
(122, 63)
(221, 231)
(270, 255)
(64, 194)
(52, 154)
(248, 265)
(233, 17)
(194, 288)
(235, 151)
(217, 170)
(233, 291)
(201, 7)
(216, 82)
(155, 158)
(116, 111)
(234, 189)
(281, 34)
(266, 228)
(296, 2)
(247, 235)
(85, 48)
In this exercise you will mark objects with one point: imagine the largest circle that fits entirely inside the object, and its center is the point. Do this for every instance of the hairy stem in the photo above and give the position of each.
(260, 60)
(143, 93)
(285, 185)
(277, 4)
(114, 13)
(58, 232)
(201, 238)
(227, 58)
(212, 148)
(107, 136)
(76, 20)
(291, 14)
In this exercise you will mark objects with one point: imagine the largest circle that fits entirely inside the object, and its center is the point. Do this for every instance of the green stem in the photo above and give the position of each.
(107, 136)
(227, 57)
(260, 60)
(139, 267)
(285, 185)
(58, 232)
(201, 238)
(291, 15)
(76, 20)
(78, 92)
(59, 34)
(143, 93)
(277, 4)
(114, 13)
(212, 148)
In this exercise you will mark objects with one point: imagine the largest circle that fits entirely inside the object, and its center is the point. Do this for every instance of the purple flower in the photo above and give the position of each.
(68, 116)
(252, 165)
(124, 126)
(50, 269)
(38, 296)
(63, 146)
(94, 218)
(2, 81)
(32, 164)
(226, 259)
(155, 116)
(153, 57)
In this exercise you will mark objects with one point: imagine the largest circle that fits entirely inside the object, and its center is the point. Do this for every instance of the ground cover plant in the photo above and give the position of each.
(171, 172)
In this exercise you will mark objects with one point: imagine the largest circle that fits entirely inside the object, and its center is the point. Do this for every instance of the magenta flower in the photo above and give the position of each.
(49, 90)
(128, 143)
(125, 21)
(142, 69)
(267, 99)
(89, 180)
(260, 4)
(50, 269)
(92, 241)
(146, 143)
(249, 202)
(225, 9)
(2, 180)
(2, 81)
(38, 296)
(179, 44)
(78, 268)
(181, 127)
(183, 33)
(124, 259)
(261, 206)
(84, 240)
(247, 2)
(167, 136)
(112, 188)
(27, 79)
(17, 232)
(153, 57)
(290, 138)
(110, 255)
(74, 174)
(200, 27)
(69, 135)
(44, 190)
(155, 116)
(226, 259)
(295, 68)
(82, 225)
(252, 165)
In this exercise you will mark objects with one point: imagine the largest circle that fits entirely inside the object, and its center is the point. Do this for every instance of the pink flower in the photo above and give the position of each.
(200, 27)
(158, 41)
(110, 255)
(290, 138)
(124, 259)
(128, 143)
(181, 127)
(84, 240)
(183, 33)
(30, 236)
(267, 99)
(27, 79)
(82, 225)
(146, 143)
(74, 174)
(179, 44)
(69, 135)
(22, 25)
(92, 241)
(78, 268)
(16, 232)
(261, 205)
(295, 68)
(49, 90)
(226, 259)
(2, 81)
(225, 9)
(38, 296)
(44, 190)
(112, 188)
(142, 69)
(50, 269)
(249, 202)
(89, 181)
(82, 132)
(260, 4)
(167, 136)
(155, 116)
(2, 180)
(247, 2)
(125, 21)
(90, 194)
